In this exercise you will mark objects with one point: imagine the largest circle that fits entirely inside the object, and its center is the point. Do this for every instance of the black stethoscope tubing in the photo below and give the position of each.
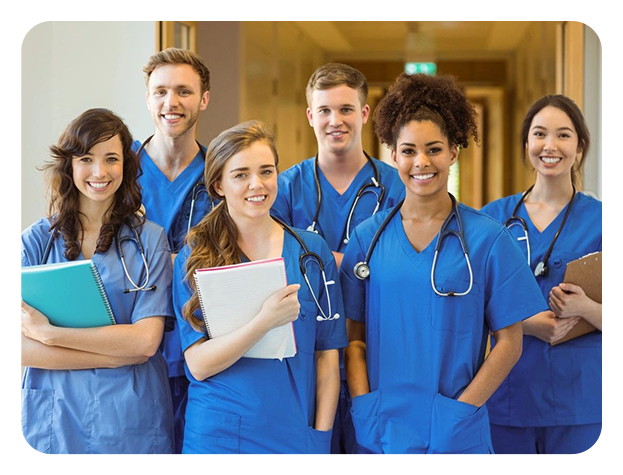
(376, 183)
(119, 241)
(541, 268)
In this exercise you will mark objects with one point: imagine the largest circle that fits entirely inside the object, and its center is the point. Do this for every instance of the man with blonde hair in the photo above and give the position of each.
(338, 188)
(173, 162)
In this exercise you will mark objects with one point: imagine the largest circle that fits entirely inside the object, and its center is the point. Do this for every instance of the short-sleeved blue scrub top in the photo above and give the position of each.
(423, 350)
(298, 198)
(257, 405)
(118, 410)
(561, 384)
(168, 204)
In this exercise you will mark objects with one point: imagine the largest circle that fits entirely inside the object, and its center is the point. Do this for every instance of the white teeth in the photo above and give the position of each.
(336, 133)
(98, 185)
(550, 160)
(172, 116)
(423, 177)
(256, 198)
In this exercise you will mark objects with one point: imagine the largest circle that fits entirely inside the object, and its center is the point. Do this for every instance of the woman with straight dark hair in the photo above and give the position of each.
(247, 405)
(103, 389)
(551, 401)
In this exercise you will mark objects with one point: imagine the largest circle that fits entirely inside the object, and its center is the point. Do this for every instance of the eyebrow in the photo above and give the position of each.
(244, 169)
(560, 128)
(426, 145)
(341, 105)
(177, 86)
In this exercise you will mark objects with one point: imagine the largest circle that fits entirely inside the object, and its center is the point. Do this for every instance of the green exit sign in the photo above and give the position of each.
(421, 68)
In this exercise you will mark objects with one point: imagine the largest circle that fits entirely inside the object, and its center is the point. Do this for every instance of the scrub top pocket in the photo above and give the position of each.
(37, 413)
(319, 441)
(211, 432)
(455, 314)
(305, 327)
(365, 413)
(459, 428)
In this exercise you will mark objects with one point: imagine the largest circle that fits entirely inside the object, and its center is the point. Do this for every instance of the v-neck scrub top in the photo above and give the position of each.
(561, 384)
(258, 405)
(118, 410)
(297, 199)
(423, 350)
(167, 203)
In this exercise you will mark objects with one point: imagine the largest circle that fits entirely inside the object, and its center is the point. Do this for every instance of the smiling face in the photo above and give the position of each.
(337, 116)
(98, 174)
(423, 158)
(174, 99)
(249, 182)
(552, 143)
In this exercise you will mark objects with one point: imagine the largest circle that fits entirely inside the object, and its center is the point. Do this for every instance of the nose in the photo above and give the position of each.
(98, 169)
(255, 181)
(171, 101)
(550, 142)
(421, 160)
(335, 119)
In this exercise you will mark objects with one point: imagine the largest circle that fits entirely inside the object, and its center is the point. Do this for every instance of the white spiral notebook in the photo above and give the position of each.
(231, 296)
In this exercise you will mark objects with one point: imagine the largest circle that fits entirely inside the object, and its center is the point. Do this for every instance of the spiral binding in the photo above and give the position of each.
(205, 320)
(102, 291)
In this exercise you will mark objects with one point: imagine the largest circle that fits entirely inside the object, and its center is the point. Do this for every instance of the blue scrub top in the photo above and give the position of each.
(168, 204)
(553, 385)
(257, 405)
(423, 350)
(119, 410)
(297, 199)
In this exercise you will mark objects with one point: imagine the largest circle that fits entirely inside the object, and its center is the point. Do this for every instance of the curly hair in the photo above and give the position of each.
(569, 107)
(213, 241)
(420, 97)
(83, 133)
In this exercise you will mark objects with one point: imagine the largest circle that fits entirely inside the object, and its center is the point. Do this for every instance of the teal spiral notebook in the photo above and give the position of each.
(69, 294)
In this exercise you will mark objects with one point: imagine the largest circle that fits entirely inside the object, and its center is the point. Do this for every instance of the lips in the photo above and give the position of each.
(99, 185)
(256, 198)
(172, 116)
(423, 176)
(550, 160)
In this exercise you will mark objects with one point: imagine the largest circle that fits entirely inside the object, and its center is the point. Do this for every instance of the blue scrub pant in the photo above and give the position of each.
(343, 440)
(179, 397)
(544, 440)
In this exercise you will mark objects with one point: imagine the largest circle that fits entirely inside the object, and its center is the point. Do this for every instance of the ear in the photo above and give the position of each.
(147, 100)
(393, 155)
(454, 154)
(310, 117)
(204, 100)
(365, 113)
(219, 190)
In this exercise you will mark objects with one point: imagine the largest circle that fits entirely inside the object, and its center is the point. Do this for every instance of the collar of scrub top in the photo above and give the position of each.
(197, 189)
(362, 269)
(120, 240)
(541, 268)
(375, 182)
(304, 259)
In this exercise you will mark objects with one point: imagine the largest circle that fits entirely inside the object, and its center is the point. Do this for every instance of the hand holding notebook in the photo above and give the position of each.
(232, 296)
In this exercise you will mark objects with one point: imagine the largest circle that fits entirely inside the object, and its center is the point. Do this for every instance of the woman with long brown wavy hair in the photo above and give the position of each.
(103, 389)
(246, 405)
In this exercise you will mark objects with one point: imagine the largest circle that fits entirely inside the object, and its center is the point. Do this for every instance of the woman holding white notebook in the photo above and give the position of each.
(102, 389)
(249, 405)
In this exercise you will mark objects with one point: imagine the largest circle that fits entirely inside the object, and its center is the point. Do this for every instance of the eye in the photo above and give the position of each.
(185, 92)
(347, 110)
(407, 151)
(324, 111)
(85, 159)
(435, 150)
(113, 159)
(267, 171)
(538, 134)
(159, 92)
(239, 175)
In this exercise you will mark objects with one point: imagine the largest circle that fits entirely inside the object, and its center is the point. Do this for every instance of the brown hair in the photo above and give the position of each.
(214, 241)
(574, 113)
(90, 128)
(420, 97)
(179, 56)
(335, 74)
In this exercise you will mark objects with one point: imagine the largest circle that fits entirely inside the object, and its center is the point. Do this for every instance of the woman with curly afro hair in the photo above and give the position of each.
(418, 319)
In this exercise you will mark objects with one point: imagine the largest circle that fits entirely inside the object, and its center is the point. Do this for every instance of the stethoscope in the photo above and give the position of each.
(362, 269)
(304, 258)
(197, 189)
(541, 268)
(375, 182)
(136, 239)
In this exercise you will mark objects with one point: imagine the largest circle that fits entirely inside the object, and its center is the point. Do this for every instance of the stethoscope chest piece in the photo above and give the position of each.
(540, 269)
(362, 270)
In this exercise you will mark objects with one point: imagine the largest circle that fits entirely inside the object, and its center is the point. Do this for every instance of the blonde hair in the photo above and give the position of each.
(214, 241)
(179, 56)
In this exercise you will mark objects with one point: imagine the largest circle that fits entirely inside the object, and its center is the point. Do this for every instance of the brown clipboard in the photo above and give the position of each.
(586, 273)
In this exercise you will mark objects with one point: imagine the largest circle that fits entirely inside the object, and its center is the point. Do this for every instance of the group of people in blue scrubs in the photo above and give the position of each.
(393, 287)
